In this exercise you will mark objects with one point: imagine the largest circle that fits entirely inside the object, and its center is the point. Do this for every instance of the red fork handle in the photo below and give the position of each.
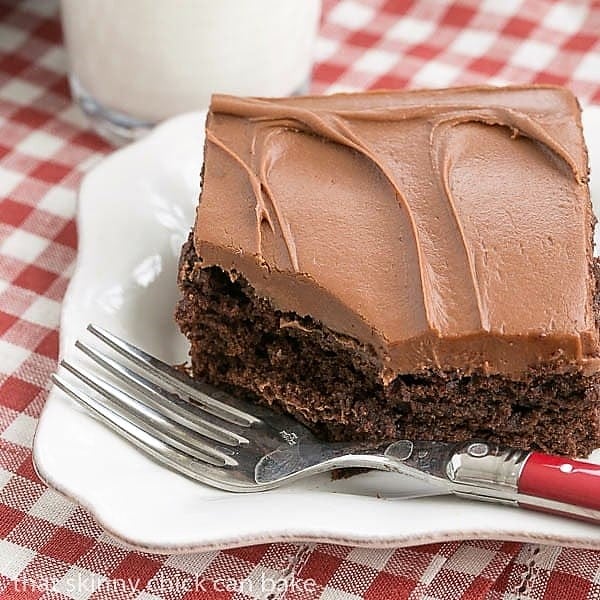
(562, 485)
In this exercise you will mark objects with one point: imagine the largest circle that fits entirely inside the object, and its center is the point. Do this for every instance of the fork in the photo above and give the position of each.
(222, 441)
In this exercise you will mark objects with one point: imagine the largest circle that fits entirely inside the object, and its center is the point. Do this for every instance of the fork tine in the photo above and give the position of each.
(167, 404)
(165, 454)
(179, 381)
(143, 417)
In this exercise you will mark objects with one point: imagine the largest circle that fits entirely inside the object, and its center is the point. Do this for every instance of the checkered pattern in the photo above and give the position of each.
(51, 548)
(434, 43)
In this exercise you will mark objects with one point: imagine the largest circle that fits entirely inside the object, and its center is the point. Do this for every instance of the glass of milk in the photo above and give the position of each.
(134, 63)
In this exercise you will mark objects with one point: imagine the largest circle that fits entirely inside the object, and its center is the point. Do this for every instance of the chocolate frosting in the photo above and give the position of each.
(447, 229)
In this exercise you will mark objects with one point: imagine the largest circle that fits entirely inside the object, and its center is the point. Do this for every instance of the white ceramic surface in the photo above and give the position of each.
(135, 210)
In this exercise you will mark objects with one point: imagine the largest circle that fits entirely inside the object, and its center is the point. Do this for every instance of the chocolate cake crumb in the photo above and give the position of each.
(331, 383)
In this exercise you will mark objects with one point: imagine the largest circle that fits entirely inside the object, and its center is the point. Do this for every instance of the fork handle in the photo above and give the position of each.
(560, 485)
(533, 480)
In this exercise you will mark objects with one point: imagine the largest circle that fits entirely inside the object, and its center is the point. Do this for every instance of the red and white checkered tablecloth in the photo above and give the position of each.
(51, 548)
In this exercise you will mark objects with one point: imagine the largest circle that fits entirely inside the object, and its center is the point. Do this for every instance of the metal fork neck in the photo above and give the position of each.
(484, 470)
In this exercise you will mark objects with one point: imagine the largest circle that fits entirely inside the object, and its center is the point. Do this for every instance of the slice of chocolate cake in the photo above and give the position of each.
(400, 264)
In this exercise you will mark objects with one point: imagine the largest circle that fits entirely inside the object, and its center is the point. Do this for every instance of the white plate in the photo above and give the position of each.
(135, 210)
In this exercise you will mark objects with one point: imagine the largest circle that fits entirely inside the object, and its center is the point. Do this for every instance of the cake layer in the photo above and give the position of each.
(332, 384)
(445, 230)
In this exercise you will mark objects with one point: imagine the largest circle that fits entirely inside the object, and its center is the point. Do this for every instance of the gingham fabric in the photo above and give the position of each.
(51, 548)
